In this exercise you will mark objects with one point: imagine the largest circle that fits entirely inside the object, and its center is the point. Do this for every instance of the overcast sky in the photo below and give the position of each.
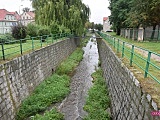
(99, 8)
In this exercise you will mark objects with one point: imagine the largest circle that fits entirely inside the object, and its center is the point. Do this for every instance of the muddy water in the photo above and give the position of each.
(72, 106)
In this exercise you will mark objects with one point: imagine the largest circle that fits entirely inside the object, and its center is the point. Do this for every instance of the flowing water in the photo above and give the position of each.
(72, 105)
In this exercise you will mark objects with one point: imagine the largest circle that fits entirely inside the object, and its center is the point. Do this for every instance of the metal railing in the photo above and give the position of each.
(13, 48)
(137, 56)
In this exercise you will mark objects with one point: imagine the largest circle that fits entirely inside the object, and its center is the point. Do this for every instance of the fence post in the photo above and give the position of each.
(41, 41)
(123, 49)
(114, 42)
(118, 46)
(21, 46)
(32, 43)
(147, 64)
(132, 53)
(3, 55)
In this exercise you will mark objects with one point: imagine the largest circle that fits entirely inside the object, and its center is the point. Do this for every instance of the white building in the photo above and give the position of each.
(27, 17)
(7, 20)
(106, 24)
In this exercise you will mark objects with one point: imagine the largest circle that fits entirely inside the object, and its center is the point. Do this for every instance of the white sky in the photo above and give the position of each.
(99, 8)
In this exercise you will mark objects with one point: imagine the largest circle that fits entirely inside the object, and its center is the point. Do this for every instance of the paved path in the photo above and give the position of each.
(72, 106)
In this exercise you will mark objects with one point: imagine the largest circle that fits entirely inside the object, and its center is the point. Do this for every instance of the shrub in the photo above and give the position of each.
(32, 30)
(43, 32)
(19, 31)
(63, 29)
(6, 38)
(54, 28)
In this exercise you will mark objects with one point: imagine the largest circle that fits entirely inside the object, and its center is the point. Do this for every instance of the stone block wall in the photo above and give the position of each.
(128, 100)
(19, 77)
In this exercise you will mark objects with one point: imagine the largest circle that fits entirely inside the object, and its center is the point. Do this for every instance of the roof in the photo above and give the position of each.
(4, 12)
(32, 14)
(105, 18)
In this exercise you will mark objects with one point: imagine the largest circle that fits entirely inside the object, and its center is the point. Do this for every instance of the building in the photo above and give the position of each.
(106, 24)
(27, 17)
(7, 20)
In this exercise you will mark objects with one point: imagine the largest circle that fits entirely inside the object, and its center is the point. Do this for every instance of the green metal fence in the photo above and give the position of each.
(148, 65)
(14, 48)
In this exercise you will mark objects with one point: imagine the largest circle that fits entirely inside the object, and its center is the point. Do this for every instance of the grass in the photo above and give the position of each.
(52, 90)
(152, 46)
(98, 99)
(49, 115)
(13, 50)
(72, 61)
(148, 84)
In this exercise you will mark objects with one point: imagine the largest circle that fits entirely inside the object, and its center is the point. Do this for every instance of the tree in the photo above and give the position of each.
(19, 31)
(119, 10)
(99, 27)
(72, 14)
(26, 9)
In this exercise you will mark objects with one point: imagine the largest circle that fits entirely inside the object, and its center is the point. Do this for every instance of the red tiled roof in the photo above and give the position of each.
(31, 14)
(4, 12)
(105, 18)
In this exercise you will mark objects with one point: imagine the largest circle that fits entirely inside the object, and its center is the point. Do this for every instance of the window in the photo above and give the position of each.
(5, 23)
(27, 17)
(23, 18)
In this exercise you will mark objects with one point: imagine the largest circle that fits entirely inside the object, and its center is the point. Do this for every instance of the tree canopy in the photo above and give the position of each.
(72, 14)
(134, 13)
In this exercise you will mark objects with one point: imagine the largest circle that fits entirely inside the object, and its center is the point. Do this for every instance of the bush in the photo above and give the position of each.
(32, 30)
(44, 32)
(54, 28)
(19, 31)
(63, 29)
(6, 38)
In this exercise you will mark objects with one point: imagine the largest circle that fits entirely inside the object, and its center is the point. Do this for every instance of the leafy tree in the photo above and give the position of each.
(119, 10)
(19, 31)
(26, 9)
(99, 27)
(72, 14)
(32, 29)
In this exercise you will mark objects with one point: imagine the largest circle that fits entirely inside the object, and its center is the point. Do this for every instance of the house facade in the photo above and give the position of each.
(106, 24)
(27, 17)
(7, 20)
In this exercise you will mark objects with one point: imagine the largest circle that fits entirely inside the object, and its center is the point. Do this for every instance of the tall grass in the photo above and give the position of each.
(98, 99)
(52, 90)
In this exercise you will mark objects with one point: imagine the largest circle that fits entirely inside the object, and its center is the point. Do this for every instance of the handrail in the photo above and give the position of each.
(128, 51)
(12, 48)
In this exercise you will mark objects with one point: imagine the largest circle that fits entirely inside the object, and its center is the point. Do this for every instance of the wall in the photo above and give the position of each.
(128, 100)
(19, 77)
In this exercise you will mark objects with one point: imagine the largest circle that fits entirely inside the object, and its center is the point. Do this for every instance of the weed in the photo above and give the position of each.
(49, 115)
(52, 90)
(98, 100)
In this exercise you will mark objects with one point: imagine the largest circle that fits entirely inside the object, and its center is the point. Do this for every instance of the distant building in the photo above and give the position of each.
(7, 20)
(106, 24)
(27, 17)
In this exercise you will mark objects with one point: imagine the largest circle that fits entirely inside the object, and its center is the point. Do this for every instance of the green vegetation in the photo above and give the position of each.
(49, 115)
(138, 67)
(134, 13)
(153, 46)
(19, 31)
(72, 14)
(52, 90)
(98, 100)
(72, 61)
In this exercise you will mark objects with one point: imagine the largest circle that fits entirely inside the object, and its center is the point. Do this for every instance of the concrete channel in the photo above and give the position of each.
(72, 105)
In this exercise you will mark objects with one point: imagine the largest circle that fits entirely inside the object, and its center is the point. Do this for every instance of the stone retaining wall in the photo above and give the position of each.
(19, 77)
(128, 100)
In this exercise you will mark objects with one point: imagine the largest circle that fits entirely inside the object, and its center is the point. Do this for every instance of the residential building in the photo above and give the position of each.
(106, 24)
(7, 20)
(27, 17)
